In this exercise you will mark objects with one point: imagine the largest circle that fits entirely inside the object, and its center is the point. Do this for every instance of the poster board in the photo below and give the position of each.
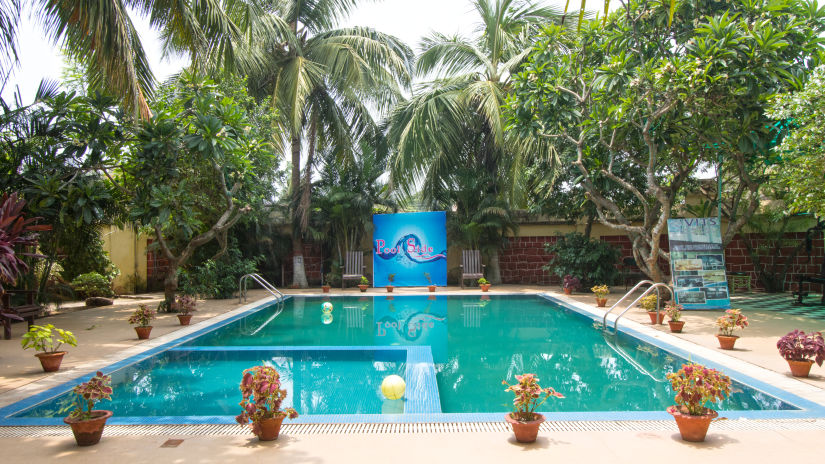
(408, 245)
(697, 262)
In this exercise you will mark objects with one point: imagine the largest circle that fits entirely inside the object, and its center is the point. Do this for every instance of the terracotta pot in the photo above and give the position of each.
(526, 432)
(653, 318)
(800, 368)
(676, 326)
(143, 331)
(390, 288)
(325, 288)
(431, 288)
(485, 287)
(601, 302)
(726, 342)
(693, 428)
(51, 361)
(88, 432)
(568, 291)
(362, 287)
(184, 319)
(268, 429)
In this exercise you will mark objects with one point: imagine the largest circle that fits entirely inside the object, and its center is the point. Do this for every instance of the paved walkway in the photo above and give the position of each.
(104, 331)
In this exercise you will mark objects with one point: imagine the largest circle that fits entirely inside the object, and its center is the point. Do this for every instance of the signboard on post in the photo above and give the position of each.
(410, 246)
(697, 262)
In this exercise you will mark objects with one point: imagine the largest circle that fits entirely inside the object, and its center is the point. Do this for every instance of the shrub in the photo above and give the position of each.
(218, 278)
(593, 261)
(92, 284)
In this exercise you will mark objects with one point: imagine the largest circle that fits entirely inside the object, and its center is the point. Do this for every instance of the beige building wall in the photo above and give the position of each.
(127, 250)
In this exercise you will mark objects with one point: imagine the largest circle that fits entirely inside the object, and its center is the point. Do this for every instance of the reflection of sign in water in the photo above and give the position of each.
(410, 245)
(412, 321)
(698, 263)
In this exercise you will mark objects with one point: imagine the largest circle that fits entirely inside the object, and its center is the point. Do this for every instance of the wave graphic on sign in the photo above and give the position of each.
(403, 246)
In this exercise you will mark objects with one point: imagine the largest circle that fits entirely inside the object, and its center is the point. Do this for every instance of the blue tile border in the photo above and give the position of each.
(424, 404)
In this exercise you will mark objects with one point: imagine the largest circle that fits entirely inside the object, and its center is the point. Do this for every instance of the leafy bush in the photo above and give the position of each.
(799, 346)
(92, 284)
(217, 278)
(593, 261)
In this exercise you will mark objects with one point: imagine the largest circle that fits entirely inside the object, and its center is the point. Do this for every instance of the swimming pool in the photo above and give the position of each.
(453, 352)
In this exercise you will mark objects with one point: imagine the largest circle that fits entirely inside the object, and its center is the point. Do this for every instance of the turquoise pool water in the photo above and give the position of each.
(473, 344)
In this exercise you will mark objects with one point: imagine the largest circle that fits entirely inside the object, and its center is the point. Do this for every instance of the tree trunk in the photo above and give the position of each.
(170, 286)
(588, 226)
(493, 268)
(299, 277)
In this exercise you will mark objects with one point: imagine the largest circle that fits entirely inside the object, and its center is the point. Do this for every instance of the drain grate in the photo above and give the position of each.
(415, 428)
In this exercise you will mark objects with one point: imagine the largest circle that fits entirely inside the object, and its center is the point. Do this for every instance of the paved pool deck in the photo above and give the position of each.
(104, 336)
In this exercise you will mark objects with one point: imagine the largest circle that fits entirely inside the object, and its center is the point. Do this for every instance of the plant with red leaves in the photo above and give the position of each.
(696, 385)
(97, 388)
(15, 232)
(799, 346)
(528, 391)
(262, 396)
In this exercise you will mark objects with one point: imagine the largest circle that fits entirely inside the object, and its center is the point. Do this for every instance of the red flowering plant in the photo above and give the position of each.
(799, 346)
(733, 319)
(528, 396)
(262, 396)
(97, 388)
(696, 385)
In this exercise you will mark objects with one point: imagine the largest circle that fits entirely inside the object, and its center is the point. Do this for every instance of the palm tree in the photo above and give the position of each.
(101, 35)
(456, 119)
(324, 81)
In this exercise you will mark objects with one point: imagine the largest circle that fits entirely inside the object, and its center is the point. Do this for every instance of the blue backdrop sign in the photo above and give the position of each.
(697, 260)
(409, 245)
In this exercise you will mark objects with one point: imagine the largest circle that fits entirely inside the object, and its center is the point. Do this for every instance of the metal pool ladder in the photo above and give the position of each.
(653, 286)
(266, 285)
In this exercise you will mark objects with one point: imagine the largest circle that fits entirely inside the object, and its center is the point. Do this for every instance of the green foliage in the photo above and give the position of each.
(86, 254)
(696, 385)
(47, 338)
(217, 278)
(142, 316)
(593, 261)
(649, 303)
(364, 280)
(92, 284)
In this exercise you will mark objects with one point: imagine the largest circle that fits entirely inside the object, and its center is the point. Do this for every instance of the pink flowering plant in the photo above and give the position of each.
(185, 304)
(262, 396)
(674, 311)
(799, 346)
(696, 385)
(88, 393)
(732, 320)
(142, 316)
(528, 396)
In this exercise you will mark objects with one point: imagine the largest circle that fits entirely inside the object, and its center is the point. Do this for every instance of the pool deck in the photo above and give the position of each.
(104, 336)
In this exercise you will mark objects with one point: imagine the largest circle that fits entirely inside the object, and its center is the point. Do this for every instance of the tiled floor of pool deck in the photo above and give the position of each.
(104, 336)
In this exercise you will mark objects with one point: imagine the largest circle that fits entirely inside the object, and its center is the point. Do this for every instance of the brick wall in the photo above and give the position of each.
(522, 260)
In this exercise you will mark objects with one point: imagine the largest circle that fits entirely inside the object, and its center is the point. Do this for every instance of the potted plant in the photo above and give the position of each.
(601, 292)
(391, 279)
(185, 305)
(325, 287)
(674, 312)
(364, 284)
(261, 403)
(570, 284)
(484, 284)
(47, 340)
(732, 320)
(801, 350)
(142, 317)
(696, 385)
(528, 397)
(430, 285)
(87, 425)
(650, 304)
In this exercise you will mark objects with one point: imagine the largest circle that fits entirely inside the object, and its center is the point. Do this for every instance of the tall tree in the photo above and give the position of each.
(456, 118)
(324, 81)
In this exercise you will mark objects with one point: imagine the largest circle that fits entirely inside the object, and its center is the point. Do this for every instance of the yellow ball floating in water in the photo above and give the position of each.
(393, 387)
(326, 307)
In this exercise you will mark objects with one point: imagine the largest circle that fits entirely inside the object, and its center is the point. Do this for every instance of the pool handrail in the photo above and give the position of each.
(643, 282)
(656, 287)
(263, 282)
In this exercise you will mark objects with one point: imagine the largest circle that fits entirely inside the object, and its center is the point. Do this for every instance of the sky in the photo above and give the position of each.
(409, 20)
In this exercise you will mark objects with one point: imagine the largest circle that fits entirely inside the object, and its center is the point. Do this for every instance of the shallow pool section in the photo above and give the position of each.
(453, 352)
